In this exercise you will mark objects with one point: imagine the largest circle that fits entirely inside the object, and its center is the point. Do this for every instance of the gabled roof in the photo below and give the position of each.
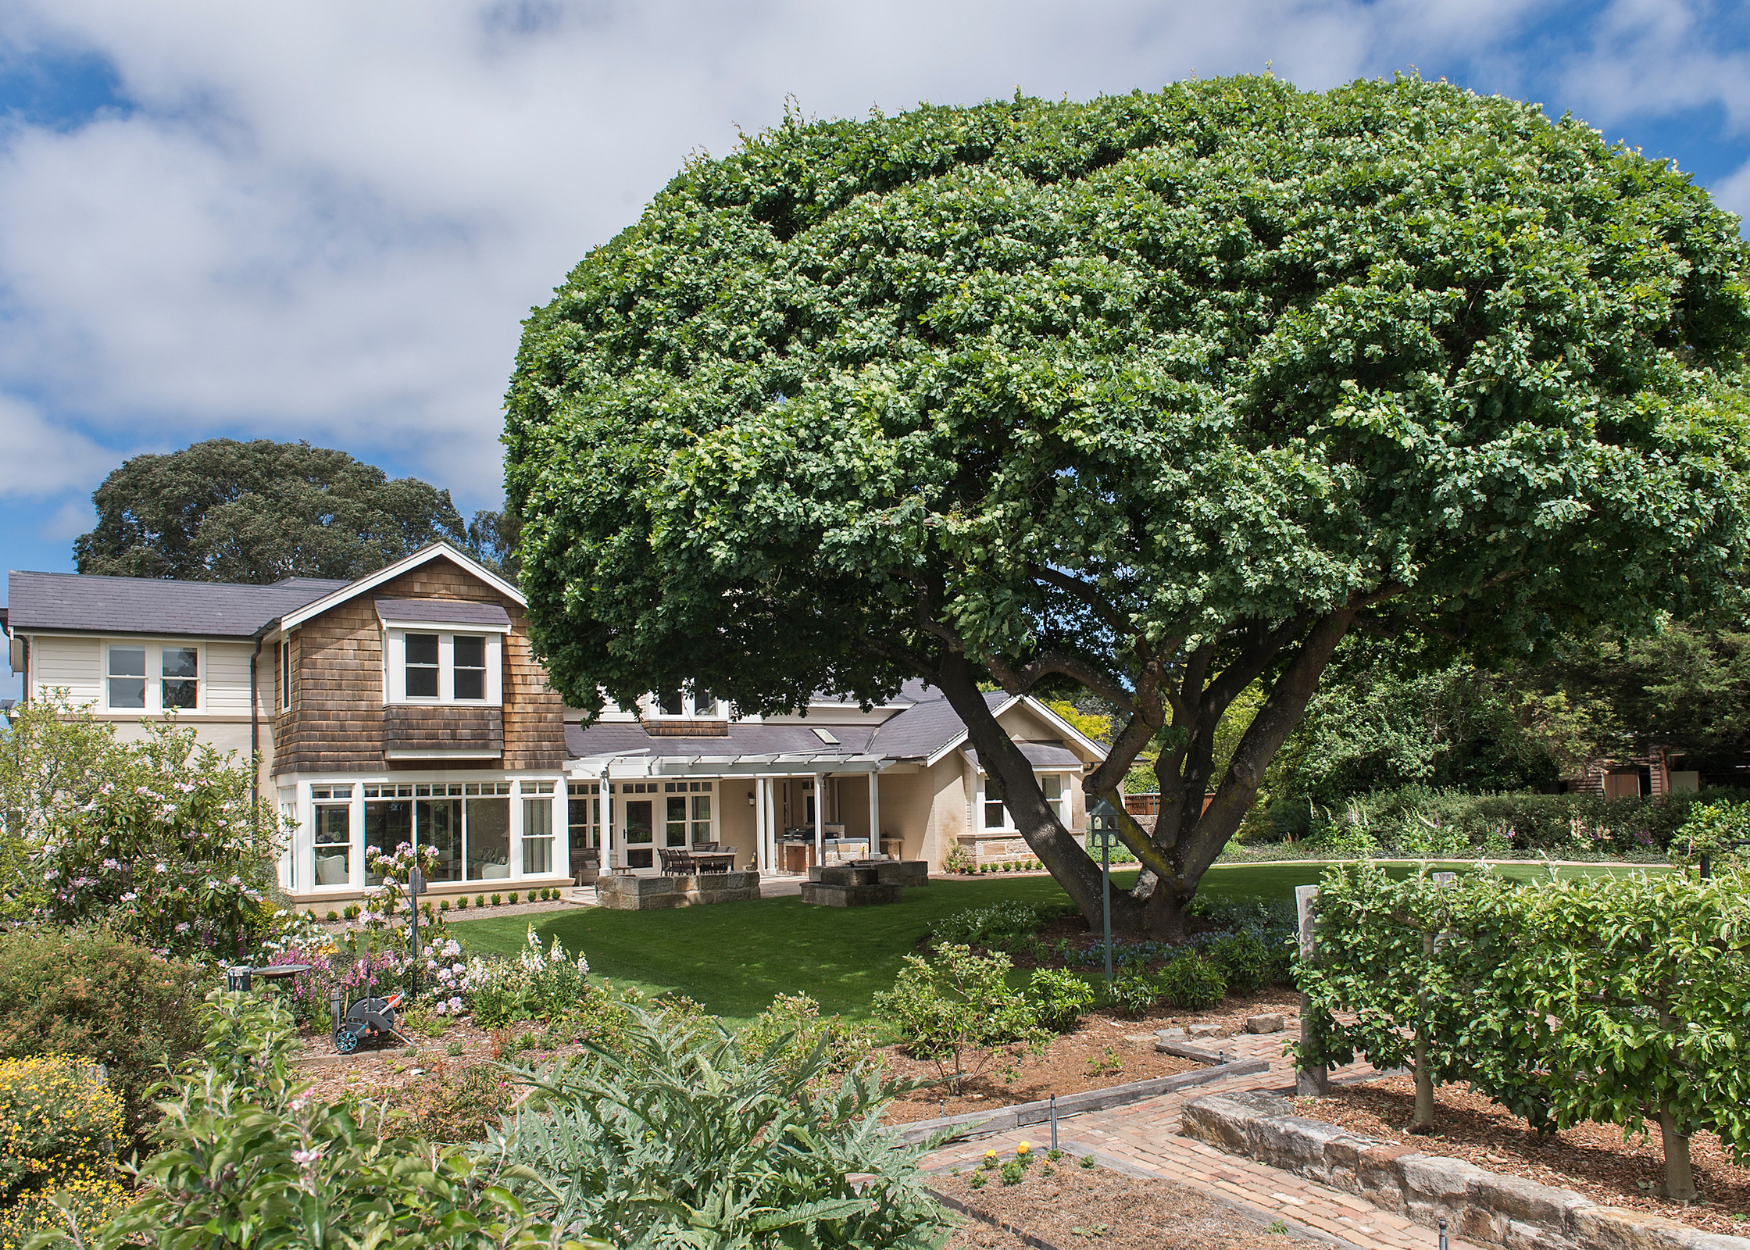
(388, 573)
(87, 603)
(444, 612)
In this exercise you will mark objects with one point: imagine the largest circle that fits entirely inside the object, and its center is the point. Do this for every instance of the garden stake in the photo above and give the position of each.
(1443, 1245)
(1054, 1121)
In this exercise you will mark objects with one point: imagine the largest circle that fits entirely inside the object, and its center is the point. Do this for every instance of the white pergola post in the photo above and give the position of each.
(762, 852)
(607, 798)
(820, 818)
(771, 802)
(874, 814)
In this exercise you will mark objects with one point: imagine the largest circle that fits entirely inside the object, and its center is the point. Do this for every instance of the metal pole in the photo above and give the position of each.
(1443, 1245)
(1106, 896)
(1054, 1121)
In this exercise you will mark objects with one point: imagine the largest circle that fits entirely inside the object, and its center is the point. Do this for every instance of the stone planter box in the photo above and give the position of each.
(850, 885)
(1480, 1205)
(628, 893)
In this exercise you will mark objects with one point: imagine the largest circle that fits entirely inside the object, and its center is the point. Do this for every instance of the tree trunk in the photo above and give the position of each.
(1163, 915)
(1422, 1122)
(1679, 1176)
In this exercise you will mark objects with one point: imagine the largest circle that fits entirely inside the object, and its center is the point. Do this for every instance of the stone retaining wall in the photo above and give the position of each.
(1479, 1205)
(629, 893)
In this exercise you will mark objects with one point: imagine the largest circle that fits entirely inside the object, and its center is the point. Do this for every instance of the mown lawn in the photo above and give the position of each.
(734, 957)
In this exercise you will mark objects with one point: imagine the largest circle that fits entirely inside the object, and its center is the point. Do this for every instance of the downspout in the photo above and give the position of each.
(255, 741)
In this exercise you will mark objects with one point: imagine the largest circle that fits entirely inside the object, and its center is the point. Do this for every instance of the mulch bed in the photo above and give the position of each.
(1072, 1206)
(1108, 1049)
(1592, 1159)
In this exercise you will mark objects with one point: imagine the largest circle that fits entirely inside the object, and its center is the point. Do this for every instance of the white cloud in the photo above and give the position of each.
(42, 458)
(326, 220)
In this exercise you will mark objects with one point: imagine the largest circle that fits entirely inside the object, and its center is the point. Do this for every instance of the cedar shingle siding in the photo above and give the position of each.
(337, 723)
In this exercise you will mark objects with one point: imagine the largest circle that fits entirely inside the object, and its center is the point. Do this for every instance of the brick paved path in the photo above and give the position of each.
(1144, 1138)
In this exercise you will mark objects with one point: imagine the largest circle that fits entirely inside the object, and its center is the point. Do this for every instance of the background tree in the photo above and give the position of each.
(1161, 395)
(259, 511)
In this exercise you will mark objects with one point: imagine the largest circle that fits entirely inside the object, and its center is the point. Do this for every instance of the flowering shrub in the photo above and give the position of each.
(102, 999)
(56, 1117)
(374, 972)
(165, 841)
(535, 985)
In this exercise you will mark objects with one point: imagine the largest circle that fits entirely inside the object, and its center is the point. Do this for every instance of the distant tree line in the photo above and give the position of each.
(261, 511)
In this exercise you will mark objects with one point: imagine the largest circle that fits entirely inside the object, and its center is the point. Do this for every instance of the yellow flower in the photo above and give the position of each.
(990, 1154)
(1022, 1149)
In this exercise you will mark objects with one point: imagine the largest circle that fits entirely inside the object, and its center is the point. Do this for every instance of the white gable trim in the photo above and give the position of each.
(389, 572)
(1051, 717)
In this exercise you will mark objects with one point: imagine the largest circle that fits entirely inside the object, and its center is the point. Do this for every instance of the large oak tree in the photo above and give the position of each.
(1161, 395)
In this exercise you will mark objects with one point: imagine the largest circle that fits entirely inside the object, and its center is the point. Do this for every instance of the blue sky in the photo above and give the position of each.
(326, 220)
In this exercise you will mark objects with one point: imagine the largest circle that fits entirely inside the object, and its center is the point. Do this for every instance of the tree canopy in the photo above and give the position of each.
(1159, 395)
(229, 511)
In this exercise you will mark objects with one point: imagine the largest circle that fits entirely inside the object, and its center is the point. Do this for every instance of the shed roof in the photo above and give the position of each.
(444, 612)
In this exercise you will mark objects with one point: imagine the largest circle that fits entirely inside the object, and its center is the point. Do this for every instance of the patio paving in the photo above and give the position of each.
(1144, 1138)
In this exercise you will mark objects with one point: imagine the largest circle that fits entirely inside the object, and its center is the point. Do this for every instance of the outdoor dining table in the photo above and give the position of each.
(714, 861)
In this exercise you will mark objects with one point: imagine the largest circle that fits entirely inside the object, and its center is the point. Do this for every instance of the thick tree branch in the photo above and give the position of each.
(1064, 665)
(1114, 619)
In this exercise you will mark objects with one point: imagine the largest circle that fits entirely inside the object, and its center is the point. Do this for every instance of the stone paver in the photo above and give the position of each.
(1144, 1138)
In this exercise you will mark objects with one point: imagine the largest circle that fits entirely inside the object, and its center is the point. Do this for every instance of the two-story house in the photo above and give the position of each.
(408, 707)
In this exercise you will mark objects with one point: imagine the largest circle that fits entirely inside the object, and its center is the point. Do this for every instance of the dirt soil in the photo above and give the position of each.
(1072, 1207)
(1108, 1049)
(1592, 1159)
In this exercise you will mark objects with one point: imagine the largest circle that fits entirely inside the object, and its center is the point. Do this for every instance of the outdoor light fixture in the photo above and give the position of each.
(1103, 833)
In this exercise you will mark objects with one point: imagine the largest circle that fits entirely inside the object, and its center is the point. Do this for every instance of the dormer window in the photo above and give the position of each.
(470, 668)
(443, 651)
(687, 704)
(422, 666)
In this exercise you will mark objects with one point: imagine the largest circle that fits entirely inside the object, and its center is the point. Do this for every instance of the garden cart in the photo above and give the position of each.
(368, 1020)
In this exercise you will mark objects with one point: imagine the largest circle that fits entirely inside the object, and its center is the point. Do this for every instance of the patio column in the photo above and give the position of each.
(874, 814)
(607, 823)
(762, 858)
(820, 818)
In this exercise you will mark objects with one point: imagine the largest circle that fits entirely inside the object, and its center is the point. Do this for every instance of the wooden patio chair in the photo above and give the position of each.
(676, 863)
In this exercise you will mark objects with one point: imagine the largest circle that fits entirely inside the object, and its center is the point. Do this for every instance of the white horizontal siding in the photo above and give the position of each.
(227, 675)
(75, 663)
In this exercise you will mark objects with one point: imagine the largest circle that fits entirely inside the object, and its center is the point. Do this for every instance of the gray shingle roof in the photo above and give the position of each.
(444, 612)
(924, 728)
(1042, 755)
(148, 605)
(629, 738)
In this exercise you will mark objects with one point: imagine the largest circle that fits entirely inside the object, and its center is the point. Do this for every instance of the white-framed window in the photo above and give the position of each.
(285, 674)
(688, 704)
(584, 812)
(537, 826)
(127, 677)
(440, 667)
(687, 812)
(152, 676)
(331, 836)
(994, 813)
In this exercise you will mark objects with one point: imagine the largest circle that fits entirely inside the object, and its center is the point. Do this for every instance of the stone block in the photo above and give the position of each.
(909, 872)
(1516, 1198)
(1205, 1030)
(629, 893)
(823, 894)
(1614, 1228)
(1268, 1022)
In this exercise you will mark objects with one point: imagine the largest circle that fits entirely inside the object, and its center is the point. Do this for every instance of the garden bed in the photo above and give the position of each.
(1107, 1049)
(1071, 1206)
(1592, 1159)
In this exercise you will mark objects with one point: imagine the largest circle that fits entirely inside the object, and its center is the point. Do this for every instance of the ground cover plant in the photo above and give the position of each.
(1614, 999)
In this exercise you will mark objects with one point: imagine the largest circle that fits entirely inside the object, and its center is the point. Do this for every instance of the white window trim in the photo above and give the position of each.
(154, 648)
(300, 803)
(1061, 804)
(716, 709)
(395, 666)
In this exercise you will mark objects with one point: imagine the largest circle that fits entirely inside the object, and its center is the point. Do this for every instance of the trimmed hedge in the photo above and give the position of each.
(1416, 820)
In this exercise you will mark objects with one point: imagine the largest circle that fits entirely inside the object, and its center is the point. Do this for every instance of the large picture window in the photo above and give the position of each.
(488, 830)
(688, 805)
